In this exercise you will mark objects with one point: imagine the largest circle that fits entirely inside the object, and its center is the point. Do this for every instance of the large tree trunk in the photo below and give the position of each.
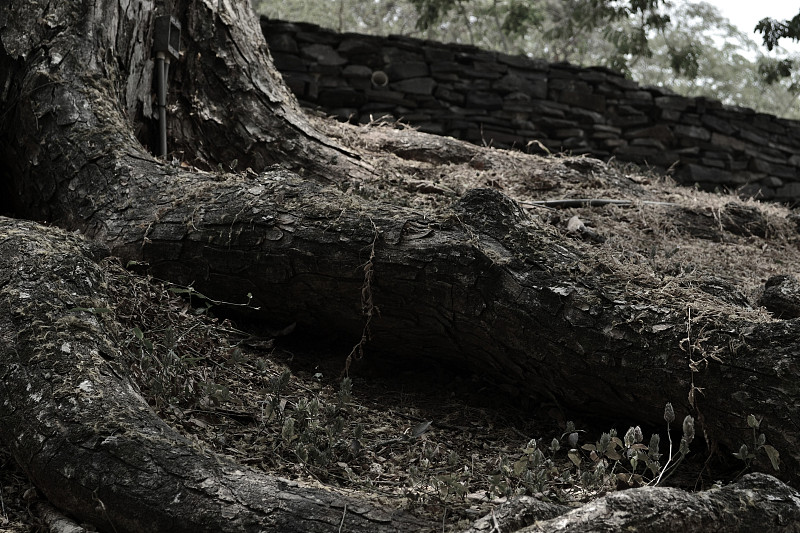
(482, 284)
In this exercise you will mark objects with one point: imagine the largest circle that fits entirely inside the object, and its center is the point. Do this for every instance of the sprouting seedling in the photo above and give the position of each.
(683, 450)
(759, 443)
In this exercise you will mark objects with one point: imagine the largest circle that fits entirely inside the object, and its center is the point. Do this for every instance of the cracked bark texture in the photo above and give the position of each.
(484, 285)
(757, 502)
(754, 503)
(89, 441)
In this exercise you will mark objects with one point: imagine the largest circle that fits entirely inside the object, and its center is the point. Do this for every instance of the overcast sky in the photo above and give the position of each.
(745, 14)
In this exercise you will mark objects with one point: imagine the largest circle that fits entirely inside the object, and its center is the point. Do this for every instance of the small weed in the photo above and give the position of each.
(161, 369)
(595, 466)
(173, 349)
(759, 443)
(317, 433)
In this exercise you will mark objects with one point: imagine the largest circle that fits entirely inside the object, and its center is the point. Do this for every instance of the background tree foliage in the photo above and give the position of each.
(688, 47)
(700, 53)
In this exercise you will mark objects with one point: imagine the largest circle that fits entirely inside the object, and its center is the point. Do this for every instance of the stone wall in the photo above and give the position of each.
(513, 101)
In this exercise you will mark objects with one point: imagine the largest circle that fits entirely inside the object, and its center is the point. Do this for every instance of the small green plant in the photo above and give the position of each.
(162, 370)
(534, 469)
(450, 485)
(683, 449)
(312, 431)
(759, 443)
(216, 393)
(275, 404)
(628, 459)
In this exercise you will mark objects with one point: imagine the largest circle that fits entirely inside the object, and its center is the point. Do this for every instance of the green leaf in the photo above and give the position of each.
(743, 452)
(774, 456)
(574, 457)
(613, 455)
(181, 290)
(93, 310)
(287, 432)
(420, 428)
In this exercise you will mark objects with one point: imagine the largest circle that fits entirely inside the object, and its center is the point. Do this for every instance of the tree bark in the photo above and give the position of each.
(483, 285)
(89, 441)
(755, 502)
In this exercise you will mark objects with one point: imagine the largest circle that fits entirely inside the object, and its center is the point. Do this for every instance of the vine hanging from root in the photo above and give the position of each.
(368, 308)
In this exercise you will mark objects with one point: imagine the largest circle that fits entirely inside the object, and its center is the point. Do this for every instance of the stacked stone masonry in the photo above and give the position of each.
(507, 101)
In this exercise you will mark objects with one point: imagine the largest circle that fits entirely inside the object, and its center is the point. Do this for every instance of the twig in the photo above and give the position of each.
(495, 525)
(102, 507)
(669, 457)
(344, 512)
(384, 443)
(589, 202)
(442, 425)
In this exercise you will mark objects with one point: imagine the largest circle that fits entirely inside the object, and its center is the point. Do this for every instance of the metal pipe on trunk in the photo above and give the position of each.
(161, 96)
